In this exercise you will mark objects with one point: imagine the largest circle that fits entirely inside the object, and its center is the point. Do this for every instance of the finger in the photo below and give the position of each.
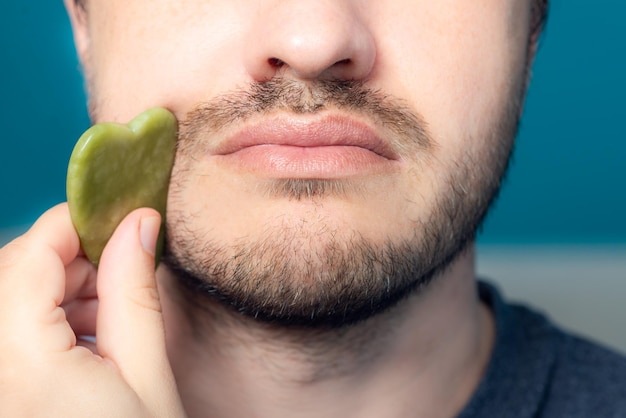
(32, 282)
(80, 302)
(130, 329)
(54, 230)
(80, 280)
(50, 245)
(81, 315)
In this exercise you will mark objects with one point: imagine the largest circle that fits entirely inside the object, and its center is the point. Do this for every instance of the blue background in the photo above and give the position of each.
(566, 184)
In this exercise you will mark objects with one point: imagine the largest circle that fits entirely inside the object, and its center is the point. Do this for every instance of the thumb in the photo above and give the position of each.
(130, 330)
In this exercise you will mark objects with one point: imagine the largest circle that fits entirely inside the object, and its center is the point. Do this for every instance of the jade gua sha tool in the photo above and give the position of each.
(117, 168)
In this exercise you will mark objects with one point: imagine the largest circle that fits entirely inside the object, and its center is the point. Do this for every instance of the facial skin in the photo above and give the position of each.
(313, 235)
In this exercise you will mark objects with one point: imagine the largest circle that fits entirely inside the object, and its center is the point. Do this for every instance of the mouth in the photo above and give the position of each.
(326, 147)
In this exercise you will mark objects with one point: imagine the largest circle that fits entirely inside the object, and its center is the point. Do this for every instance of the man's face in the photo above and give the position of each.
(333, 154)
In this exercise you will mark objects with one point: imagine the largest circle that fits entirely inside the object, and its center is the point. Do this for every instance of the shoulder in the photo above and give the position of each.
(587, 380)
(539, 370)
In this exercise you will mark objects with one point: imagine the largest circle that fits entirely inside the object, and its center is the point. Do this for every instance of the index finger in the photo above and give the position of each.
(34, 264)
(33, 279)
(54, 229)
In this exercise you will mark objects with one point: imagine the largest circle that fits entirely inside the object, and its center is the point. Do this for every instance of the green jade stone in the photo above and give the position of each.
(115, 169)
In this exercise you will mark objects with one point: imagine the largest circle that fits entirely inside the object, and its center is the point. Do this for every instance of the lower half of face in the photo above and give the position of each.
(325, 235)
(299, 199)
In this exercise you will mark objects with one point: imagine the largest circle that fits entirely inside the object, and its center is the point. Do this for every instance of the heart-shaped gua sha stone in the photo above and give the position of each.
(117, 168)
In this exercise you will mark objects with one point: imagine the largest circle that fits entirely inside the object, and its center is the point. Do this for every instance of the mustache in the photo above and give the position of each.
(406, 130)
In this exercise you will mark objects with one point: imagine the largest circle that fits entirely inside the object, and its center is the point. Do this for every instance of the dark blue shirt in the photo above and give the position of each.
(537, 370)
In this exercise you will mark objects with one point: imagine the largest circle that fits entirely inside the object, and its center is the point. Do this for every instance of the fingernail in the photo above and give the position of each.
(149, 232)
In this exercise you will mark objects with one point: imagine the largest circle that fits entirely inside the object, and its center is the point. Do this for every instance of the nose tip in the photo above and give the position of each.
(320, 41)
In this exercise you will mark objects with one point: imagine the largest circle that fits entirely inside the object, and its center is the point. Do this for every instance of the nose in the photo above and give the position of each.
(309, 39)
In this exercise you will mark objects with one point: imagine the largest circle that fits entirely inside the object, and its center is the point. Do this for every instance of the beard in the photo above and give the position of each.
(313, 273)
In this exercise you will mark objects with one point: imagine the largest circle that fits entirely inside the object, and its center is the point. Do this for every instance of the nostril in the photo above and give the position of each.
(278, 63)
(275, 62)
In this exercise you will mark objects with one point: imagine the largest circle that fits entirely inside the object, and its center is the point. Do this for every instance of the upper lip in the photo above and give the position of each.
(331, 130)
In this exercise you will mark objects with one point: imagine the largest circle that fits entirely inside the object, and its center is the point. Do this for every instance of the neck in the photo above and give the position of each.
(424, 357)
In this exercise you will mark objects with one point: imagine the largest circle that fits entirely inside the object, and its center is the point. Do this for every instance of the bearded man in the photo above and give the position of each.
(334, 161)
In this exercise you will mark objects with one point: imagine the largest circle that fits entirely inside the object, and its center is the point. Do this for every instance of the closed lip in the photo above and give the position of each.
(307, 132)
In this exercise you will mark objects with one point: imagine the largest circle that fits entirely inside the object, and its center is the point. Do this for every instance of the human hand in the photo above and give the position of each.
(49, 294)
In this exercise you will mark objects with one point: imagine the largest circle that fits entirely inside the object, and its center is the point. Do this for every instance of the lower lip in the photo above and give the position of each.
(287, 161)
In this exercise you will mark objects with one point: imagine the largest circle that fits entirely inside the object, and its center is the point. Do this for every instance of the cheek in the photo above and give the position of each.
(160, 53)
(460, 65)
